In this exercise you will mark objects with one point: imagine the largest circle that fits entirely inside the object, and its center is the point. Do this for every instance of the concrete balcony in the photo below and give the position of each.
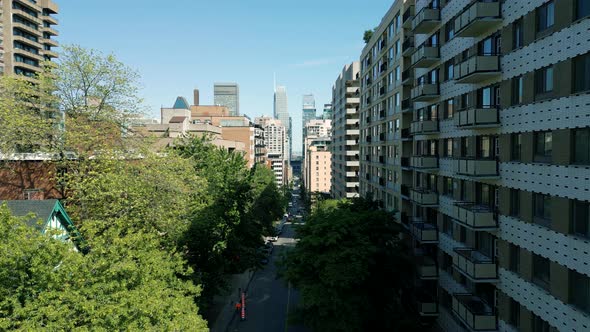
(28, 29)
(475, 265)
(28, 54)
(26, 15)
(426, 20)
(51, 31)
(427, 269)
(424, 197)
(476, 217)
(477, 68)
(424, 127)
(424, 162)
(425, 92)
(408, 16)
(50, 42)
(52, 20)
(480, 168)
(425, 56)
(26, 66)
(479, 17)
(479, 117)
(427, 305)
(408, 46)
(27, 41)
(424, 232)
(474, 312)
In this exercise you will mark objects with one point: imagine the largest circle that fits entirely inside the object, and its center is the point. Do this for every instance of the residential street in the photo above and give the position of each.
(269, 300)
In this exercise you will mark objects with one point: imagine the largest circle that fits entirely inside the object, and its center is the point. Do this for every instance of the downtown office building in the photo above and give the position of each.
(475, 126)
(228, 95)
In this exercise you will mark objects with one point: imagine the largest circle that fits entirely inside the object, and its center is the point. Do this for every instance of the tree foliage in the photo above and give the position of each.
(350, 267)
(126, 282)
(367, 36)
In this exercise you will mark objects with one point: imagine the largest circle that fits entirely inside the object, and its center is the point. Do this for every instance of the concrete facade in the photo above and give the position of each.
(274, 137)
(345, 133)
(318, 170)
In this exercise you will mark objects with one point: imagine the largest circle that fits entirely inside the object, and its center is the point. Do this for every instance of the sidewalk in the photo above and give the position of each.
(227, 302)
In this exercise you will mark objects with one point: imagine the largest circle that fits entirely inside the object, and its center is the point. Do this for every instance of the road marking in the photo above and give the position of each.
(288, 301)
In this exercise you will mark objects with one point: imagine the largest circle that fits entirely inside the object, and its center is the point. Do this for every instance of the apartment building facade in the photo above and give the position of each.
(345, 133)
(385, 111)
(317, 169)
(274, 138)
(500, 162)
(27, 35)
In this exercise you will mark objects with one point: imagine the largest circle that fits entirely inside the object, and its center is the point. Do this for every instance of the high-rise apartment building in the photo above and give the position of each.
(27, 35)
(317, 171)
(500, 165)
(345, 133)
(274, 139)
(281, 112)
(228, 95)
(308, 113)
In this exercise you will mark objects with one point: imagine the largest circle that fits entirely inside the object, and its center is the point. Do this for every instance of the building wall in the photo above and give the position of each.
(345, 133)
(244, 135)
(227, 94)
(318, 171)
(28, 35)
(30, 179)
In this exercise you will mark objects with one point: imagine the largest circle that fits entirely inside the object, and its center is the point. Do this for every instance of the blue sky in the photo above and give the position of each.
(184, 44)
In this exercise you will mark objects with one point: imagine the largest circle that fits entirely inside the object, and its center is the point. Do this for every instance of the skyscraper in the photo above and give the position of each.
(308, 114)
(281, 113)
(26, 35)
(228, 95)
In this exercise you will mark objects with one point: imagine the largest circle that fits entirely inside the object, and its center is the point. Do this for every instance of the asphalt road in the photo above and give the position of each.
(269, 300)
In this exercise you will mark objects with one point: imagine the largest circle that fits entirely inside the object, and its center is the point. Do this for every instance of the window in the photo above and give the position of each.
(448, 149)
(514, 265)
(516, 147)
(581, 146)
(514, 318)
(448, 186)
(582, 72)
(398, 73)
(449, 67)
(517, 90)
(545, 16)
(488, 97)
(541, 271)
(579, 289)
(514, 202)
(544, 80)
(543, 146)
(449, 110)
(465, 146)
(517, 37)
(450, 30)
(539, 325)
(582, 8)
(486, 147)
(581, 218)
(398, 48)
(542, 209)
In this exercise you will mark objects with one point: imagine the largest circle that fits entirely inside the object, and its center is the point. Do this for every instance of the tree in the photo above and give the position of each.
(350, 267)
(367, 36)
(126, 282)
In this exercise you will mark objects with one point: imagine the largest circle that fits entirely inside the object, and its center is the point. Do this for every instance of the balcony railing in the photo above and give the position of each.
(476, 167)
(474, 312)
(478, 18)
(424, 162)
(424, 127)
(427, 269)
(475, 265)
(425, 92)
(425, 56)
(476, 216)
(423, 196)
(478, 117)
(407, 17)
(424, 232)
(477, 68)
(408, 46)
(427, 305)
(407, 105)
(426, 20)
(408, 77)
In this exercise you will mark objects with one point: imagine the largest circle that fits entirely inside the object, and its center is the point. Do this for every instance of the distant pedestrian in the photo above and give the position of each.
(238, 307)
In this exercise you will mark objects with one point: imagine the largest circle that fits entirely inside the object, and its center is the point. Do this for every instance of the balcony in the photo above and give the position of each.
(426, 20)
(424, 232)
(425, 92)
(475, 265)
(427, 268)
(474, 312)
(424, 197)
(408, 46)
(480, 117)
(408, 77)
(479, 17)
(425, 56)
(476, 167)
(424, 127)
(477, 68)
(476, 217)
(424, 162)
(407, 105)
(407, 17)
(427, 305)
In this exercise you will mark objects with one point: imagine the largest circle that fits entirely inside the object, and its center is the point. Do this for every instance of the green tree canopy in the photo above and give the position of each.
(350, 267)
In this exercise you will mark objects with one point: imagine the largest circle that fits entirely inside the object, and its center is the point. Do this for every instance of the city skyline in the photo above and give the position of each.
(267, 38)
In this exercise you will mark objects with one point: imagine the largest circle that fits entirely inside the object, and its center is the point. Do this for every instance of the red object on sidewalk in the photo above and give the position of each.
(243, 306)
